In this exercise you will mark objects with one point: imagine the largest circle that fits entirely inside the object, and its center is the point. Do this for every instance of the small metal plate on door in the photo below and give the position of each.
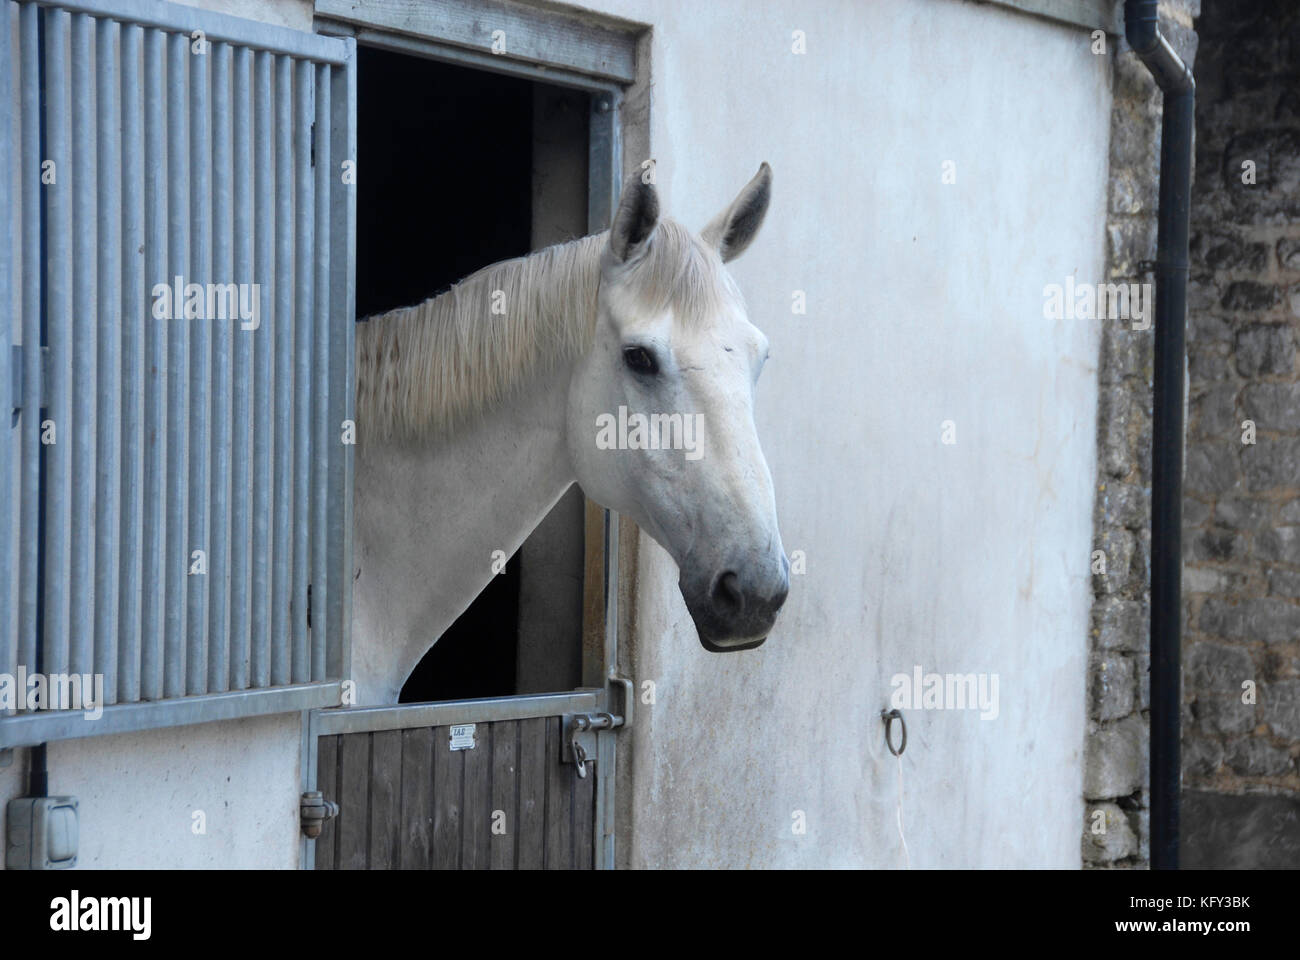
(462, 736)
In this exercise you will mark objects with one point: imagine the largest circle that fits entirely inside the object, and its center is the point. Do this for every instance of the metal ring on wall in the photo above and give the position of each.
(889, 716)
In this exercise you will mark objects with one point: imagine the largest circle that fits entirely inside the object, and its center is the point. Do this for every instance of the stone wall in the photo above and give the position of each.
(1116, 814)
(1241, 513)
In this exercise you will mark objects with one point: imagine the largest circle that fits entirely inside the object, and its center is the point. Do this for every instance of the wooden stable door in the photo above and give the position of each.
(408, 800)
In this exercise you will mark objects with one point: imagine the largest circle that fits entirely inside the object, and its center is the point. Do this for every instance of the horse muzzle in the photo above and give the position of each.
(733, 611)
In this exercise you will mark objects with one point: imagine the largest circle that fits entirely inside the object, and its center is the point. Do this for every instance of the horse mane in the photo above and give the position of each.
(427, 368)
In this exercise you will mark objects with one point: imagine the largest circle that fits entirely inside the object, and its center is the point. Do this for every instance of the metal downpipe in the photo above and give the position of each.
(1142, 30)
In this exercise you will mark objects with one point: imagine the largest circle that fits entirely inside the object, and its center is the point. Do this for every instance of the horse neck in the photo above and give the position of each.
(429, 517)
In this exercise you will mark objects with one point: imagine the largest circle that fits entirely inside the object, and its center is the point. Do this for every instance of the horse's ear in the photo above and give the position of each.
(731, 231)
(635, 220)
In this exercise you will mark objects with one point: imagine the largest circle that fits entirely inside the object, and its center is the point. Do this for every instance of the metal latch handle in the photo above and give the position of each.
(583, 723)
(629, 696)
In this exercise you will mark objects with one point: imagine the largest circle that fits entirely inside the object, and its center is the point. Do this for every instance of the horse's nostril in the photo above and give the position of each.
(726, 592)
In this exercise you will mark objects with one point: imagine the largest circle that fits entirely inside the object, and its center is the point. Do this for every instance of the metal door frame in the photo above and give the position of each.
(603, 65)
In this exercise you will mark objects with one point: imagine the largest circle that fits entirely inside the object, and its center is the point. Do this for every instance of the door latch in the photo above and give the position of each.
(580, 736)
(579, 740)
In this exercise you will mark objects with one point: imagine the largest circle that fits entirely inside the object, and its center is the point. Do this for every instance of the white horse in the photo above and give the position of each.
(596, 361)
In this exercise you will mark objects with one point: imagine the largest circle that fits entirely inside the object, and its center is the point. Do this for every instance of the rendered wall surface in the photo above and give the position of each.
(144, 796)
(924, 305)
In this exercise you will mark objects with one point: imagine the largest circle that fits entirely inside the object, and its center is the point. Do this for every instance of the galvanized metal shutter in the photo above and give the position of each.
(144, 141)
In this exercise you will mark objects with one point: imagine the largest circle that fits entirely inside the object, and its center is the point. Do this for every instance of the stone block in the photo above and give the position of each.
(1107, 836)
(1279, 545)
(1256, 757)
(1273, 406)
(1279, 707)
(1201, 756)
(1217, 668)
(1111, 687)
(1241, 514)
(1264, 349)
(1115, 758)
(1242, 832)
(1212, 467)
(1271, 462)
(1121, 624)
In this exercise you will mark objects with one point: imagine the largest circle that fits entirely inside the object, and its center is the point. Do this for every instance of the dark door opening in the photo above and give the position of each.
(457, 169)
(447, 189)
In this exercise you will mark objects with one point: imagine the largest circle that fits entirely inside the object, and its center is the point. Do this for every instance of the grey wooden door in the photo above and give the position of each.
(408, 800)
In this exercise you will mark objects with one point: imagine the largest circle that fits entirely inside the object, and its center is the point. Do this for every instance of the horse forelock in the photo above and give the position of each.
(681, 274)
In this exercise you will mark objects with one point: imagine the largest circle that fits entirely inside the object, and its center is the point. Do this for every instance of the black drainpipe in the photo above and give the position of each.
(1172, 76)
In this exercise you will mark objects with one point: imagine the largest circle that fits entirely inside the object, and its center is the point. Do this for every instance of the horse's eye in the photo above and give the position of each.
(640, 360)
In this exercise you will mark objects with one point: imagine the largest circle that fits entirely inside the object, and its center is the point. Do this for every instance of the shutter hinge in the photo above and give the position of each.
(313, 811)
(313, 144)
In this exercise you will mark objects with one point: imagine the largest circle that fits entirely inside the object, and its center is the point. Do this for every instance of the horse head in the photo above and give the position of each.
(660, 420)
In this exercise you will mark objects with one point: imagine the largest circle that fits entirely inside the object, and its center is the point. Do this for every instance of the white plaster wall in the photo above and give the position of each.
(924, 305)
(139, 792)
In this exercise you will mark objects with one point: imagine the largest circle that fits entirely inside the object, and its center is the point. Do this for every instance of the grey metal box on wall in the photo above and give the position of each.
(41, 833)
